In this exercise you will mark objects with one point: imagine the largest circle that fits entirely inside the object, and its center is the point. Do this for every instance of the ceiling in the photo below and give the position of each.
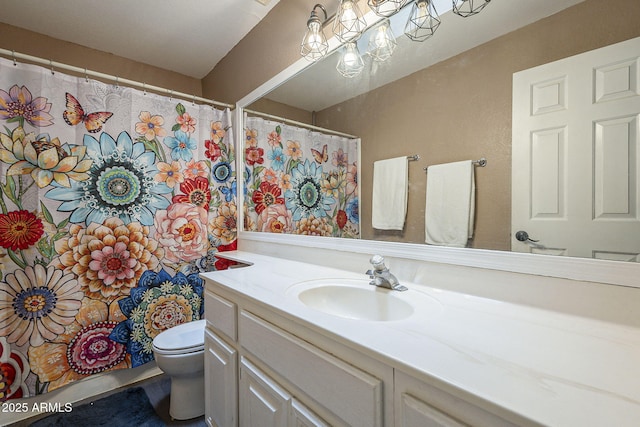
(186, 36)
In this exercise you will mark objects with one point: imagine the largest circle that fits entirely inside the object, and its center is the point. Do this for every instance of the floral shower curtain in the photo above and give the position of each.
(112, 200)
(299, 181)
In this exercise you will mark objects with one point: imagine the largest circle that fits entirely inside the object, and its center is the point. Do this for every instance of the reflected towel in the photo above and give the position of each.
(390, 187)
(450, 206)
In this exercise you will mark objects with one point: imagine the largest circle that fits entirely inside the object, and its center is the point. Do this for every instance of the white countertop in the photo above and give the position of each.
(548, 367)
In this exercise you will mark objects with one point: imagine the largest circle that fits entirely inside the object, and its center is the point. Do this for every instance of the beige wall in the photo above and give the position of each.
(34, 44)
(457, 109)
(279, 109)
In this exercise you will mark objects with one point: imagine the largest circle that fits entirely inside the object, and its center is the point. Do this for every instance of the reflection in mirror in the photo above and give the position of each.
(449, 99)
(300, 180)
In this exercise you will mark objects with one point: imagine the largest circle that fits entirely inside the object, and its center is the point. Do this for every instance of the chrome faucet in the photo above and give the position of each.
(381, 275)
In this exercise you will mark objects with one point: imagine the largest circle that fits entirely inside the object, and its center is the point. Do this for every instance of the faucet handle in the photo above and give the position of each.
(378, 262)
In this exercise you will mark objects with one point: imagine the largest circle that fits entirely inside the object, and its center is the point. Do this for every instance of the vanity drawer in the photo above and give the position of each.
(221, 314)
(349, 393)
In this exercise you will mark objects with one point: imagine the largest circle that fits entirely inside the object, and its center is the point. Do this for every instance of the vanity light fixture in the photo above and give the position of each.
(423, 21)
(382, 42)
(467, 8)
(349, 22)
(314, 44)
(350, 63)
(386, 8)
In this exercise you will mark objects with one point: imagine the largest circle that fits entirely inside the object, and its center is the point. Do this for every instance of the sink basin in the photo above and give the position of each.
(356, 299)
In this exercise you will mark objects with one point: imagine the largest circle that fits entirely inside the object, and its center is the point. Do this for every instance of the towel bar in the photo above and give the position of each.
(482, 162)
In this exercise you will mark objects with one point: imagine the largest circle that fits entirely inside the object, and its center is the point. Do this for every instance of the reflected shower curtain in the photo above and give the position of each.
(299, 181)
(112, 200)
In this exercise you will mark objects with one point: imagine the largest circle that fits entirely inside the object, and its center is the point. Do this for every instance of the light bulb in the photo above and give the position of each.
(349, 23)
(380, 38)
(314, 44)
(314, 27)
(350, 59)
(314, 35)
(348, 15)
(350, 63)
(423, 21)
(382, 42)
(422, 13)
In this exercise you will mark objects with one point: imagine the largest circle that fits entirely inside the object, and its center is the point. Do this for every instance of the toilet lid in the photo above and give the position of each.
(186, 336)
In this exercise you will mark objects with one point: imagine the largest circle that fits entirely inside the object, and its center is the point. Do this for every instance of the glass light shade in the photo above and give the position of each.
(314, 44)
(382, 42)
(386, 8)
(467, 8)
(350, 63)
(423, 21)
(349, 23)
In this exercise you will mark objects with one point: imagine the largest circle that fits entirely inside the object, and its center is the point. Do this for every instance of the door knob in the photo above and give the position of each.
(523, 236)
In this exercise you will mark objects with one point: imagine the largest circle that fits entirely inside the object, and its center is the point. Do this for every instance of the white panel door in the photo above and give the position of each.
(575, 172)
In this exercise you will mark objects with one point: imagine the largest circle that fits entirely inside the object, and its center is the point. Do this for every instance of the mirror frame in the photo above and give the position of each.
(583, 269)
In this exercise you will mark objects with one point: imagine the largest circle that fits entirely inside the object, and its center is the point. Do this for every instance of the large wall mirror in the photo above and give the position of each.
(446, 99)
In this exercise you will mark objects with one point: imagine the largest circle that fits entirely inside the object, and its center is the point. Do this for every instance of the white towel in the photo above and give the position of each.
(450, 206)
(390, 187)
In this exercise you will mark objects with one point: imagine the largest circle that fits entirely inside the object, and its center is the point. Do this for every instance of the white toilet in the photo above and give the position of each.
(179, 353)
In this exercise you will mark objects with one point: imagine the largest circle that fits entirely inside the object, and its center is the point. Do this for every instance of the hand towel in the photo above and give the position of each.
(390, 187)
(450, 205)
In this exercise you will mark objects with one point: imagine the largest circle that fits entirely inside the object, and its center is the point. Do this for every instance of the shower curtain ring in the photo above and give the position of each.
(144, 88)
(51, 65)
(193, 100)
(117, 82)
(13, 55)
(86, 76)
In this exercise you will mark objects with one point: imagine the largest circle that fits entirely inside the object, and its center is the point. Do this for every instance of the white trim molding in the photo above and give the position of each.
(584, 269)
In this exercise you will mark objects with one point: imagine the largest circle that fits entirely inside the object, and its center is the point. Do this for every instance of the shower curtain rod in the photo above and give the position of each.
(59, 65)
(301, 124)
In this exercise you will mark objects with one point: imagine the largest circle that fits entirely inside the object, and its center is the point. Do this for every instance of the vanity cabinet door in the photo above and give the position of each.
(420, 404)
(263, 403)
(301, 416)
(416, 413)
(220, 376)
(220, 314)
(351, 395)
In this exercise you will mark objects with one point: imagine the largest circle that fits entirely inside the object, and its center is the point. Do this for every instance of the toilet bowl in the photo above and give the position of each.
(179, 353)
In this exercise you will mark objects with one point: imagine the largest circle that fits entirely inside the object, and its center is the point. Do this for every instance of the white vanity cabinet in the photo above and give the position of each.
(259, 375)
(265, 369)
